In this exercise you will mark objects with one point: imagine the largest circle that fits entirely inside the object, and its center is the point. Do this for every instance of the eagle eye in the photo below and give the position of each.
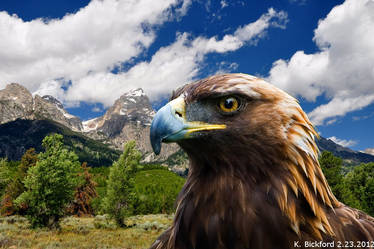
(229, 104)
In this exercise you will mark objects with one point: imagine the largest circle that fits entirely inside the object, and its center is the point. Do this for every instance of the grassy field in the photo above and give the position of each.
(97, 232)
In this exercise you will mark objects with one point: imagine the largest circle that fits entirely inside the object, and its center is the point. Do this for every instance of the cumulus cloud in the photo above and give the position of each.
(339, 106)
(343, 142)
(342, 69)
(72, 58)
(170, 66)
(97, 38)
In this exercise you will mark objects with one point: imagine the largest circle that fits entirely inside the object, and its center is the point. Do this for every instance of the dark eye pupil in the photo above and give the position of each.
(229, 103)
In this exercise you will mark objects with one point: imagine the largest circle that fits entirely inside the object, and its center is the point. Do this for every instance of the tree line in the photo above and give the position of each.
(355, 188)
(45, 187)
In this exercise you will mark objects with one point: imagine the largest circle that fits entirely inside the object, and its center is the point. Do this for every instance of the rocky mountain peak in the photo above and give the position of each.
(16, 93)
(134, 104)
(132, 107)
(15, 102)
(49, 107)
(135, 93)
(15, 89)
(53, 100)
(129, 118)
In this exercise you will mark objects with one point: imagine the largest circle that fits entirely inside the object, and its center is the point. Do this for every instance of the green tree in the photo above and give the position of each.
(157, 190)
(359, 188)
(7, 172)
(120, 194)
(16, 187)
(332, 169)
(50, 184)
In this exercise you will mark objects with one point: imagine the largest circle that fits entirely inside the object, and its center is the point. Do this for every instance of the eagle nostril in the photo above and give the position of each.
(178, 114)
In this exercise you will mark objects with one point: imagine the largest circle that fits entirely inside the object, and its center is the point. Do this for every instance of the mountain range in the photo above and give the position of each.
(26, 119)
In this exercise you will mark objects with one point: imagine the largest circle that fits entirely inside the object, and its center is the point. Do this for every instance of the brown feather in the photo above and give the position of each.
(258, 183)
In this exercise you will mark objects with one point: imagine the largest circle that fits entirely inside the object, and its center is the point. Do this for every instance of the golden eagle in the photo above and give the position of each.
(254, 179)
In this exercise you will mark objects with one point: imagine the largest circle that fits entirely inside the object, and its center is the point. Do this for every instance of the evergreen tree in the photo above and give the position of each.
(120, 196)
(84, 194)
(50, 184)
(16, 187)
(359, 188)
(332, 169)
(7, 172)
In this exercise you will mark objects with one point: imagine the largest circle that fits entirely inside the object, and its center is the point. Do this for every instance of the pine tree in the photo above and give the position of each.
(16, 187)
(84, 193)
(50, 184)
(332, 169)
(120, 195)
(359, 188)
(7, 172)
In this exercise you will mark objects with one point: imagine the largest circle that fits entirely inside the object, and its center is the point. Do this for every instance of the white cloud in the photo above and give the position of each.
(224, 4)
(96, 109)
(343, 142)
(170, 66)
(363, 117)
(339, 106)
(343, 69)
(225, 67)
(95, 39)
(52, 87)
(331, 121)
(79, 51)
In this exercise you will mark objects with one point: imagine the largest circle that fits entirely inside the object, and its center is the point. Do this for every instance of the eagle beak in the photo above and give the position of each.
(170, 125)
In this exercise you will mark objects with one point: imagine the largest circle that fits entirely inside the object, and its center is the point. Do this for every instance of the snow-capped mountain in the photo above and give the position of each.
(129, 118)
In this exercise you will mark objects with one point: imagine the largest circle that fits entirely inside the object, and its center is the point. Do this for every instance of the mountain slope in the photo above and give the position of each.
(19, 135)
(349, 156)
(129, 118)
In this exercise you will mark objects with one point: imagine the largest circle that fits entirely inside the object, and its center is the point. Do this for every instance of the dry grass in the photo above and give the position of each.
(87, 233)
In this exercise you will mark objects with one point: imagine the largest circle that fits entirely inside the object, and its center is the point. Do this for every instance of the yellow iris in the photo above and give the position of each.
(229, 104)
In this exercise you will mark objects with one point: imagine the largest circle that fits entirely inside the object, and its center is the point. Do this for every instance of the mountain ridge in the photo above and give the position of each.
(129, 118)
(21, 134)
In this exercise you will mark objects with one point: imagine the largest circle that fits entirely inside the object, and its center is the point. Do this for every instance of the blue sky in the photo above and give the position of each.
(87, 53)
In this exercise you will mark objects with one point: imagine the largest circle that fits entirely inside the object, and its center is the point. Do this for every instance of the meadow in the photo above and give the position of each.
(97, 232)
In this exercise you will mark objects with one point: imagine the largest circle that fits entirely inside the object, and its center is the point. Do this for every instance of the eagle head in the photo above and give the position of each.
(235, 117)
